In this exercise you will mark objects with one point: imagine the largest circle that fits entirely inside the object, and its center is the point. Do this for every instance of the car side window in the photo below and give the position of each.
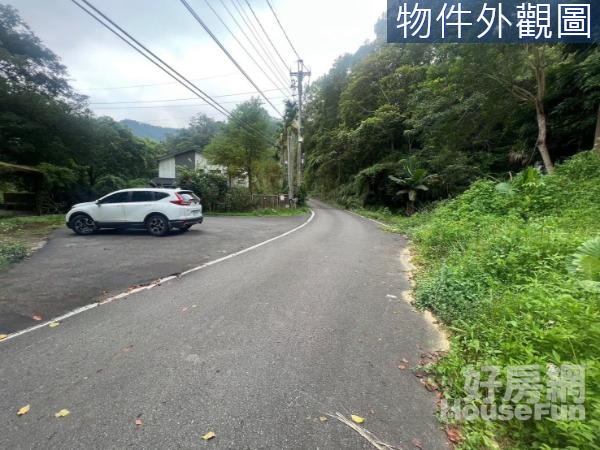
(141, 196)
(160, 196)
(120, 197)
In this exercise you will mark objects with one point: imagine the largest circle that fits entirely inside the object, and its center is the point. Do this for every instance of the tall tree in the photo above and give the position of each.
(532, 89)
(196, 137)
(245, 140)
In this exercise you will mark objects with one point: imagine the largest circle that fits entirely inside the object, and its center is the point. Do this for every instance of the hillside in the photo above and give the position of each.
(145, 130)
(514, 270)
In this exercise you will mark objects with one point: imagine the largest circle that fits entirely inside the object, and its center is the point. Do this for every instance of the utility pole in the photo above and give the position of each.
(299, 75)
(290, 165)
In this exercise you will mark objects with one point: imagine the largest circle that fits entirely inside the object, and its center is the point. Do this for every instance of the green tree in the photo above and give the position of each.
(245, 140)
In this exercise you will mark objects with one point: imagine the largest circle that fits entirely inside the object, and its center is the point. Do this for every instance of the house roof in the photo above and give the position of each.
(173, 155)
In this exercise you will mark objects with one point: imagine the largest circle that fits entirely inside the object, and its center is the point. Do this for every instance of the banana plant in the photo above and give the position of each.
(416, 181)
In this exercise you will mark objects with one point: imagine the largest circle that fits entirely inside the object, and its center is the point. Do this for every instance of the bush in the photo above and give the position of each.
(107, 184)
(496, 268)
(238, 199)
(210, 187)
(11, 252)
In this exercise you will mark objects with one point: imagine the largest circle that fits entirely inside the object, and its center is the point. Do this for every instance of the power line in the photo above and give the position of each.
(246, 19)
(212, 35)
(258, 52)
(242, 45)
(158, 62)
(283, 29)
(154, 84)
(170, 106)
(179, 99)
(267, 35)
(139, 47)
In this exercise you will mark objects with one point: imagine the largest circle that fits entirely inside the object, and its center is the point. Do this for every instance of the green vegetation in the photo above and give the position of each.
(20, 235)
(45, 124)
(461, 112)
(243, 147)
(513, 268)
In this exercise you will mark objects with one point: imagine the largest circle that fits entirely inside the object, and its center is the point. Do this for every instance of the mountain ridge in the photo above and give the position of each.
(147, 131)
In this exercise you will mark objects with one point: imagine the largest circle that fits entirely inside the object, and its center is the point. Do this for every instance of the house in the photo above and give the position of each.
(168, 166)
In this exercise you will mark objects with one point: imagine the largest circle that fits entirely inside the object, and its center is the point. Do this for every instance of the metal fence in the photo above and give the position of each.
(271, 201)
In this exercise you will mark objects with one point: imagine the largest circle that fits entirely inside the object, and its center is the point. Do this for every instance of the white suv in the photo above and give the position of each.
(157, 210)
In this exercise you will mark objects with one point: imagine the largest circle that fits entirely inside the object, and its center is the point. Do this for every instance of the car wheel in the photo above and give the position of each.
(158, 225)
(83, 225)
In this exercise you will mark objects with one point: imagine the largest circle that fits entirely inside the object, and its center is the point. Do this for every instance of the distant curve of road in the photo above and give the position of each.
(254, 349)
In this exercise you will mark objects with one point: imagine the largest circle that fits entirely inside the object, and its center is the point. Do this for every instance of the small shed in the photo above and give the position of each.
(29, 196)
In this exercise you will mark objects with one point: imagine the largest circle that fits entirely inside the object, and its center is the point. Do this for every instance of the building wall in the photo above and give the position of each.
(202, 163)
(187, 160)
(166, 168)
(192, 160)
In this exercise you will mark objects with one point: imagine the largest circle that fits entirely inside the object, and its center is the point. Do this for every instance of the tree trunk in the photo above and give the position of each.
(542, 136)
(597, 137)
(542, 120)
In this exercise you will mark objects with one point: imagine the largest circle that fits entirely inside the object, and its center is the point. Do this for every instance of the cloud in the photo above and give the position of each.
(320, 30)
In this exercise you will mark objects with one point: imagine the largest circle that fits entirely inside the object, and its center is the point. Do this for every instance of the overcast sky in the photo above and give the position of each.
(100, 65)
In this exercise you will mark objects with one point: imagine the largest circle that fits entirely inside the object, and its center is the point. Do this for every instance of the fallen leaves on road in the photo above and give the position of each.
(454, 435)
(24, 410)
(54, 324)
(62, 413)
(37, 318)
(138, 422)
(357, 419)
(209, 436)
(323, 419)
(3, 336)
(403, 364)
(430, 385)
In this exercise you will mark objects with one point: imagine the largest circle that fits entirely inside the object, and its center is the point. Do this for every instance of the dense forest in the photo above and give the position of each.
(393, 125)
(46, 124)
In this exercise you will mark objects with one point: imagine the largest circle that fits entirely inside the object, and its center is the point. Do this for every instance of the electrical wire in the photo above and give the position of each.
(283, 29)
(104, 108)
(157, 61)
(251, 42)
(242, 45)
(233, 60)
(246, 19)
(131, 86)
(178, 99)
(267, 35)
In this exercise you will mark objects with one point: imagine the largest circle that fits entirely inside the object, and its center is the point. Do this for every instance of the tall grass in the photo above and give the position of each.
(493, 265)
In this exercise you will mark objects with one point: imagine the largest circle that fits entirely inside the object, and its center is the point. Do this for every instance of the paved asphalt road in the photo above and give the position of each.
(255, 349)
(73, 271)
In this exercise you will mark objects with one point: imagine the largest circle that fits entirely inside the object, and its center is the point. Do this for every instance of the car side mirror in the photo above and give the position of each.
(98, 202)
